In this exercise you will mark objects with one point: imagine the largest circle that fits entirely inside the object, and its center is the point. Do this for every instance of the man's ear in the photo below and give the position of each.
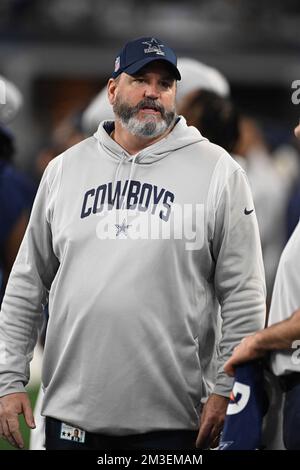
(112, 86)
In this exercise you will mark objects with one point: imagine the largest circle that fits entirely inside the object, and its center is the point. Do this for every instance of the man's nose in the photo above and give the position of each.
(152, 91)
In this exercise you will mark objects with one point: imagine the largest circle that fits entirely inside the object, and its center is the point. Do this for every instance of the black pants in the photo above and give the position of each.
(171, 440)
(291, 413)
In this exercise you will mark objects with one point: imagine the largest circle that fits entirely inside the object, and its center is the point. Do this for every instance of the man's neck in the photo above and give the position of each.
(131, 143)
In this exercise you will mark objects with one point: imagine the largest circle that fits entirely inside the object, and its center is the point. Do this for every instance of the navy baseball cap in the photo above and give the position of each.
(140, 52)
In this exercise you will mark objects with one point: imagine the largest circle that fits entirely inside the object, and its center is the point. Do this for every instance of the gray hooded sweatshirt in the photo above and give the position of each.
(136, 256)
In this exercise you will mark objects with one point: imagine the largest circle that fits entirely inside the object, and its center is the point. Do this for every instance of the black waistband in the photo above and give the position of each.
(289, 381)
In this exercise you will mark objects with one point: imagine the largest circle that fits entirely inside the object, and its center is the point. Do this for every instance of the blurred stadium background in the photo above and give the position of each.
(61, 52)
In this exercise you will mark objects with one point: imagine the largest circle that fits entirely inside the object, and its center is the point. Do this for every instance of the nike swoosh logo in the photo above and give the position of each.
(246, 212)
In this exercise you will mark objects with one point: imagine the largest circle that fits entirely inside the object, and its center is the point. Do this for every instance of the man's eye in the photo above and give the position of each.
(139, 80)
(166, 84)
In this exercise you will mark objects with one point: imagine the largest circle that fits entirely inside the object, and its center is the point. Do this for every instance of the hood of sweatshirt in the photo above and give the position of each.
(181, 136)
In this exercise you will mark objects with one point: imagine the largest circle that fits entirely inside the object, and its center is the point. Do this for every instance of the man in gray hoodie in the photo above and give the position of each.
(139, 236)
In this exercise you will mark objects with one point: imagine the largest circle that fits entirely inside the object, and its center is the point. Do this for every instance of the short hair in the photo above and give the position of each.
(214, 116)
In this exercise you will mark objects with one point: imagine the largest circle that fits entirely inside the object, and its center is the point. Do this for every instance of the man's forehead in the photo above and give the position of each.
(157, 66)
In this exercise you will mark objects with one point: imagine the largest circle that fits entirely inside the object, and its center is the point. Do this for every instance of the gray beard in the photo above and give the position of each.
(150, 127)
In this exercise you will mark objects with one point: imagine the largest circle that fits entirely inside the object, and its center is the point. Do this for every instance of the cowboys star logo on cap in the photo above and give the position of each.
(153, 46)
(134, 56)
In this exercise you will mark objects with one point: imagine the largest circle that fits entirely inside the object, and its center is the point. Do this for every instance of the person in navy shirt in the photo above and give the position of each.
(16, 198)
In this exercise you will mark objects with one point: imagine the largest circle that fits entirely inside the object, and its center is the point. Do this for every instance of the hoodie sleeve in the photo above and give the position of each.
(239, 273)
(27, 289)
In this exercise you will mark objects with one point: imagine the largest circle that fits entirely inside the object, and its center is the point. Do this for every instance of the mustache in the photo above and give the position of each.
(149, 103)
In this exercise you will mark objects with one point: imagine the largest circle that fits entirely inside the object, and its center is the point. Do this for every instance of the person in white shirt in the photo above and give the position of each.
(282, 336)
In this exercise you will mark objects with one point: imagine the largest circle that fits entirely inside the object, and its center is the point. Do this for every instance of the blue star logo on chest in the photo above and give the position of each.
(122, 229)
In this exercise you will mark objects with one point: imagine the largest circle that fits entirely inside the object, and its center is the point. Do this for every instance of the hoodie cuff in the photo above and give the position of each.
(224, 385)
(11, 387)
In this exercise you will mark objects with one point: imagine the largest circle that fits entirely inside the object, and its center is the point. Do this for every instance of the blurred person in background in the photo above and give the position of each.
(66, 134)
(214, 116)
(293, 212)
(282, 337)
(16, 190)
(198, 76)
(270, 194)
(11, 101)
